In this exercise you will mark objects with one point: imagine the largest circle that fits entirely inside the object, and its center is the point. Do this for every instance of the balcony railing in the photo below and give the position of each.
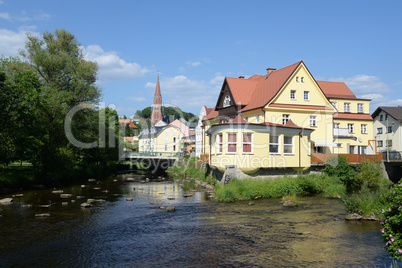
(317, 158)
(341, 132)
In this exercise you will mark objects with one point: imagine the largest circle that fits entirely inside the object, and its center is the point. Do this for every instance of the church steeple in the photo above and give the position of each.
(157, 107)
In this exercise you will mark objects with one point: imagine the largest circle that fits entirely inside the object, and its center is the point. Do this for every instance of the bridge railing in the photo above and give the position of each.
(151, 154)
(392, 155)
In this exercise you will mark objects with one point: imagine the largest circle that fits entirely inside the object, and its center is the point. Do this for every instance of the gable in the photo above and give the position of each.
(301, 85)
(225, 95)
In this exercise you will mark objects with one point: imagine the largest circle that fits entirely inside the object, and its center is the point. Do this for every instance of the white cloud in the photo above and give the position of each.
(11, 41)
(5, 15)
(42, 16)
(364, 84)
(194, 63)
(111, 66)
(186, 93)
(218, 79)
(137, 99)
(1, 2)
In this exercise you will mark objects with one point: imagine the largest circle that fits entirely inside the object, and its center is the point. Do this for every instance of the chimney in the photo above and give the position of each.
(270, 70)
(241, 76)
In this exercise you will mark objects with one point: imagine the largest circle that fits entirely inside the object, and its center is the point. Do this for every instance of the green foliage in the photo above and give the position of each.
(168, 110)
(256, 188)
(368, 201)
(369, 172)
(339, 167)
(392, 222)
(194, 170)
(128, 131)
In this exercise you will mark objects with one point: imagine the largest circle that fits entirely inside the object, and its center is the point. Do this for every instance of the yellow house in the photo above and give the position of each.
(277, 120)
(163, 139)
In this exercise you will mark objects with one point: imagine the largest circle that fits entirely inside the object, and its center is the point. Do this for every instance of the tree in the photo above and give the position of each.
(66, 80)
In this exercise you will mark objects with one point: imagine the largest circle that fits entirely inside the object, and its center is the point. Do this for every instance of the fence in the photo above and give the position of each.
(317, 158)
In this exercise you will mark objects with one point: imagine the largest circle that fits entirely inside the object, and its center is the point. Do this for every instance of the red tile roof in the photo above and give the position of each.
(124, 121)
(338, 90)
(132, 125)
(238, 120)
(267, 88)
(352, 116)
(211, 114)
(241, 89)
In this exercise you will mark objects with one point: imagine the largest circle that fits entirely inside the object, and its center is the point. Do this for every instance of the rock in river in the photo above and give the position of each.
(6, 200)
(353, 217)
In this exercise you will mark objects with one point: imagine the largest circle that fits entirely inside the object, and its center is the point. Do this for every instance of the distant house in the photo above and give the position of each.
(387, 129)
(130, 124)
(162, 139)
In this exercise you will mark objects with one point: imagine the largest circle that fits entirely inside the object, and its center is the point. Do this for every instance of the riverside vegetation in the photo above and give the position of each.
(362, 189)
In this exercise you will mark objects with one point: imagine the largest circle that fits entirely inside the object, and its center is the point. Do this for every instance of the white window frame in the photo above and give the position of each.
(297, 79)
(335, 104)
(360, 108)
(249, 142)
(288, 144)
(306, 93)
(346, 107)
(285, 117)
(364, 128)
(275, 144)
(219, 149)
(293, 94)
(313, 121)
(351, 128)
(166, 147)
(230, 143)
(379, 130)
(226, 101)
(380, 143)
(337, 125)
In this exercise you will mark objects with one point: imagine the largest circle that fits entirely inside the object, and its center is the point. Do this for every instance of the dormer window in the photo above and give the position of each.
(297, 79)
(226, 101)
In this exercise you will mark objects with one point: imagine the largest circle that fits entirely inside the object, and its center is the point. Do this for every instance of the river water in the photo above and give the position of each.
(116, 232)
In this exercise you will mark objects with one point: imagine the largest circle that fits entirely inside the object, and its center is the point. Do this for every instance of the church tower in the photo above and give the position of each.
(157, 107)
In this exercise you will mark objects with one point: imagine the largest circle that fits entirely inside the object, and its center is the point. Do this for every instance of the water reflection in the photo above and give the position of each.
(115, 232)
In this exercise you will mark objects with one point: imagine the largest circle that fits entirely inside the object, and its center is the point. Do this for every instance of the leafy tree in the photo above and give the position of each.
(128, 131)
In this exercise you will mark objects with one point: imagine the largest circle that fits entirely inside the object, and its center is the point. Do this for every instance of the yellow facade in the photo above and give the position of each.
(167, 140)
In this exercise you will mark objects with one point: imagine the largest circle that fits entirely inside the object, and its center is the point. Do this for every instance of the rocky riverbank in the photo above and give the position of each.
(198, 183)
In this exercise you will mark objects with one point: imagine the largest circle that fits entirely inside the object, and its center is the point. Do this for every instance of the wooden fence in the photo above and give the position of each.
(352, 158)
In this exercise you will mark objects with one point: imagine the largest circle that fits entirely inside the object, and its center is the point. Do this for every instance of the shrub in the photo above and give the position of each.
(339, 166)
(369, 172)
(335, 190)
(392, 223)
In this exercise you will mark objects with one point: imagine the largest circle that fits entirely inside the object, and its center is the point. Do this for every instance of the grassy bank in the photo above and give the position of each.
(247, 189)
(194, 169)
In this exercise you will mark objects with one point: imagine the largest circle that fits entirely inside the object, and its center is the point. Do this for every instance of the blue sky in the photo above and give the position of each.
(195, 44)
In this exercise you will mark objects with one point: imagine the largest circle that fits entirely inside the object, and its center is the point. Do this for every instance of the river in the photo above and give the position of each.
(117, 232)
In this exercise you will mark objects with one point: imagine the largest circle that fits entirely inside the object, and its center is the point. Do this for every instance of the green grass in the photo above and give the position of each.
(195, 170)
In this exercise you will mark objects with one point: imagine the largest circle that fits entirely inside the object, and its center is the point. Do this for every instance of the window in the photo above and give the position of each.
(220, 143)
(379, 130)
(174, 148)
(346, 107)
(360, 107)
(293, 94)
(166, 140)
(362, 149)
(247, 143)
(335, 104)
(174, 139)
(350, 128)
(364, 128)
(380, 143)
(226, 101)
(389, 143)
(313, 121)
(232, 143)
(174, 132)
(338, 145)
(302, 79)
(306, 95)
(273, 144)
(381, 117)
(258, 119)
(167, 132)
(389, 130)
(297, 79)
(288, 144)
(285, 119)
(386, 117)
(336, 125)
(165, 147)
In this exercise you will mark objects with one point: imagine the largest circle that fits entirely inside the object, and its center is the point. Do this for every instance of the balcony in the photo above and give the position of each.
(341, 133)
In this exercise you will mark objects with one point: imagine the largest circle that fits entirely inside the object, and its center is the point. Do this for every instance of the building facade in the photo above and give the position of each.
(387, 128)
(281, 118)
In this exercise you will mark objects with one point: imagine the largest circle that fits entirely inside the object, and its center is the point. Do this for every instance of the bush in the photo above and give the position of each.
(339, 167)
(369, 172)
(392, 223)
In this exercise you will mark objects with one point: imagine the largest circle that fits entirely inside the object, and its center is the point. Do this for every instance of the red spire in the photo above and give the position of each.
(158, 88)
